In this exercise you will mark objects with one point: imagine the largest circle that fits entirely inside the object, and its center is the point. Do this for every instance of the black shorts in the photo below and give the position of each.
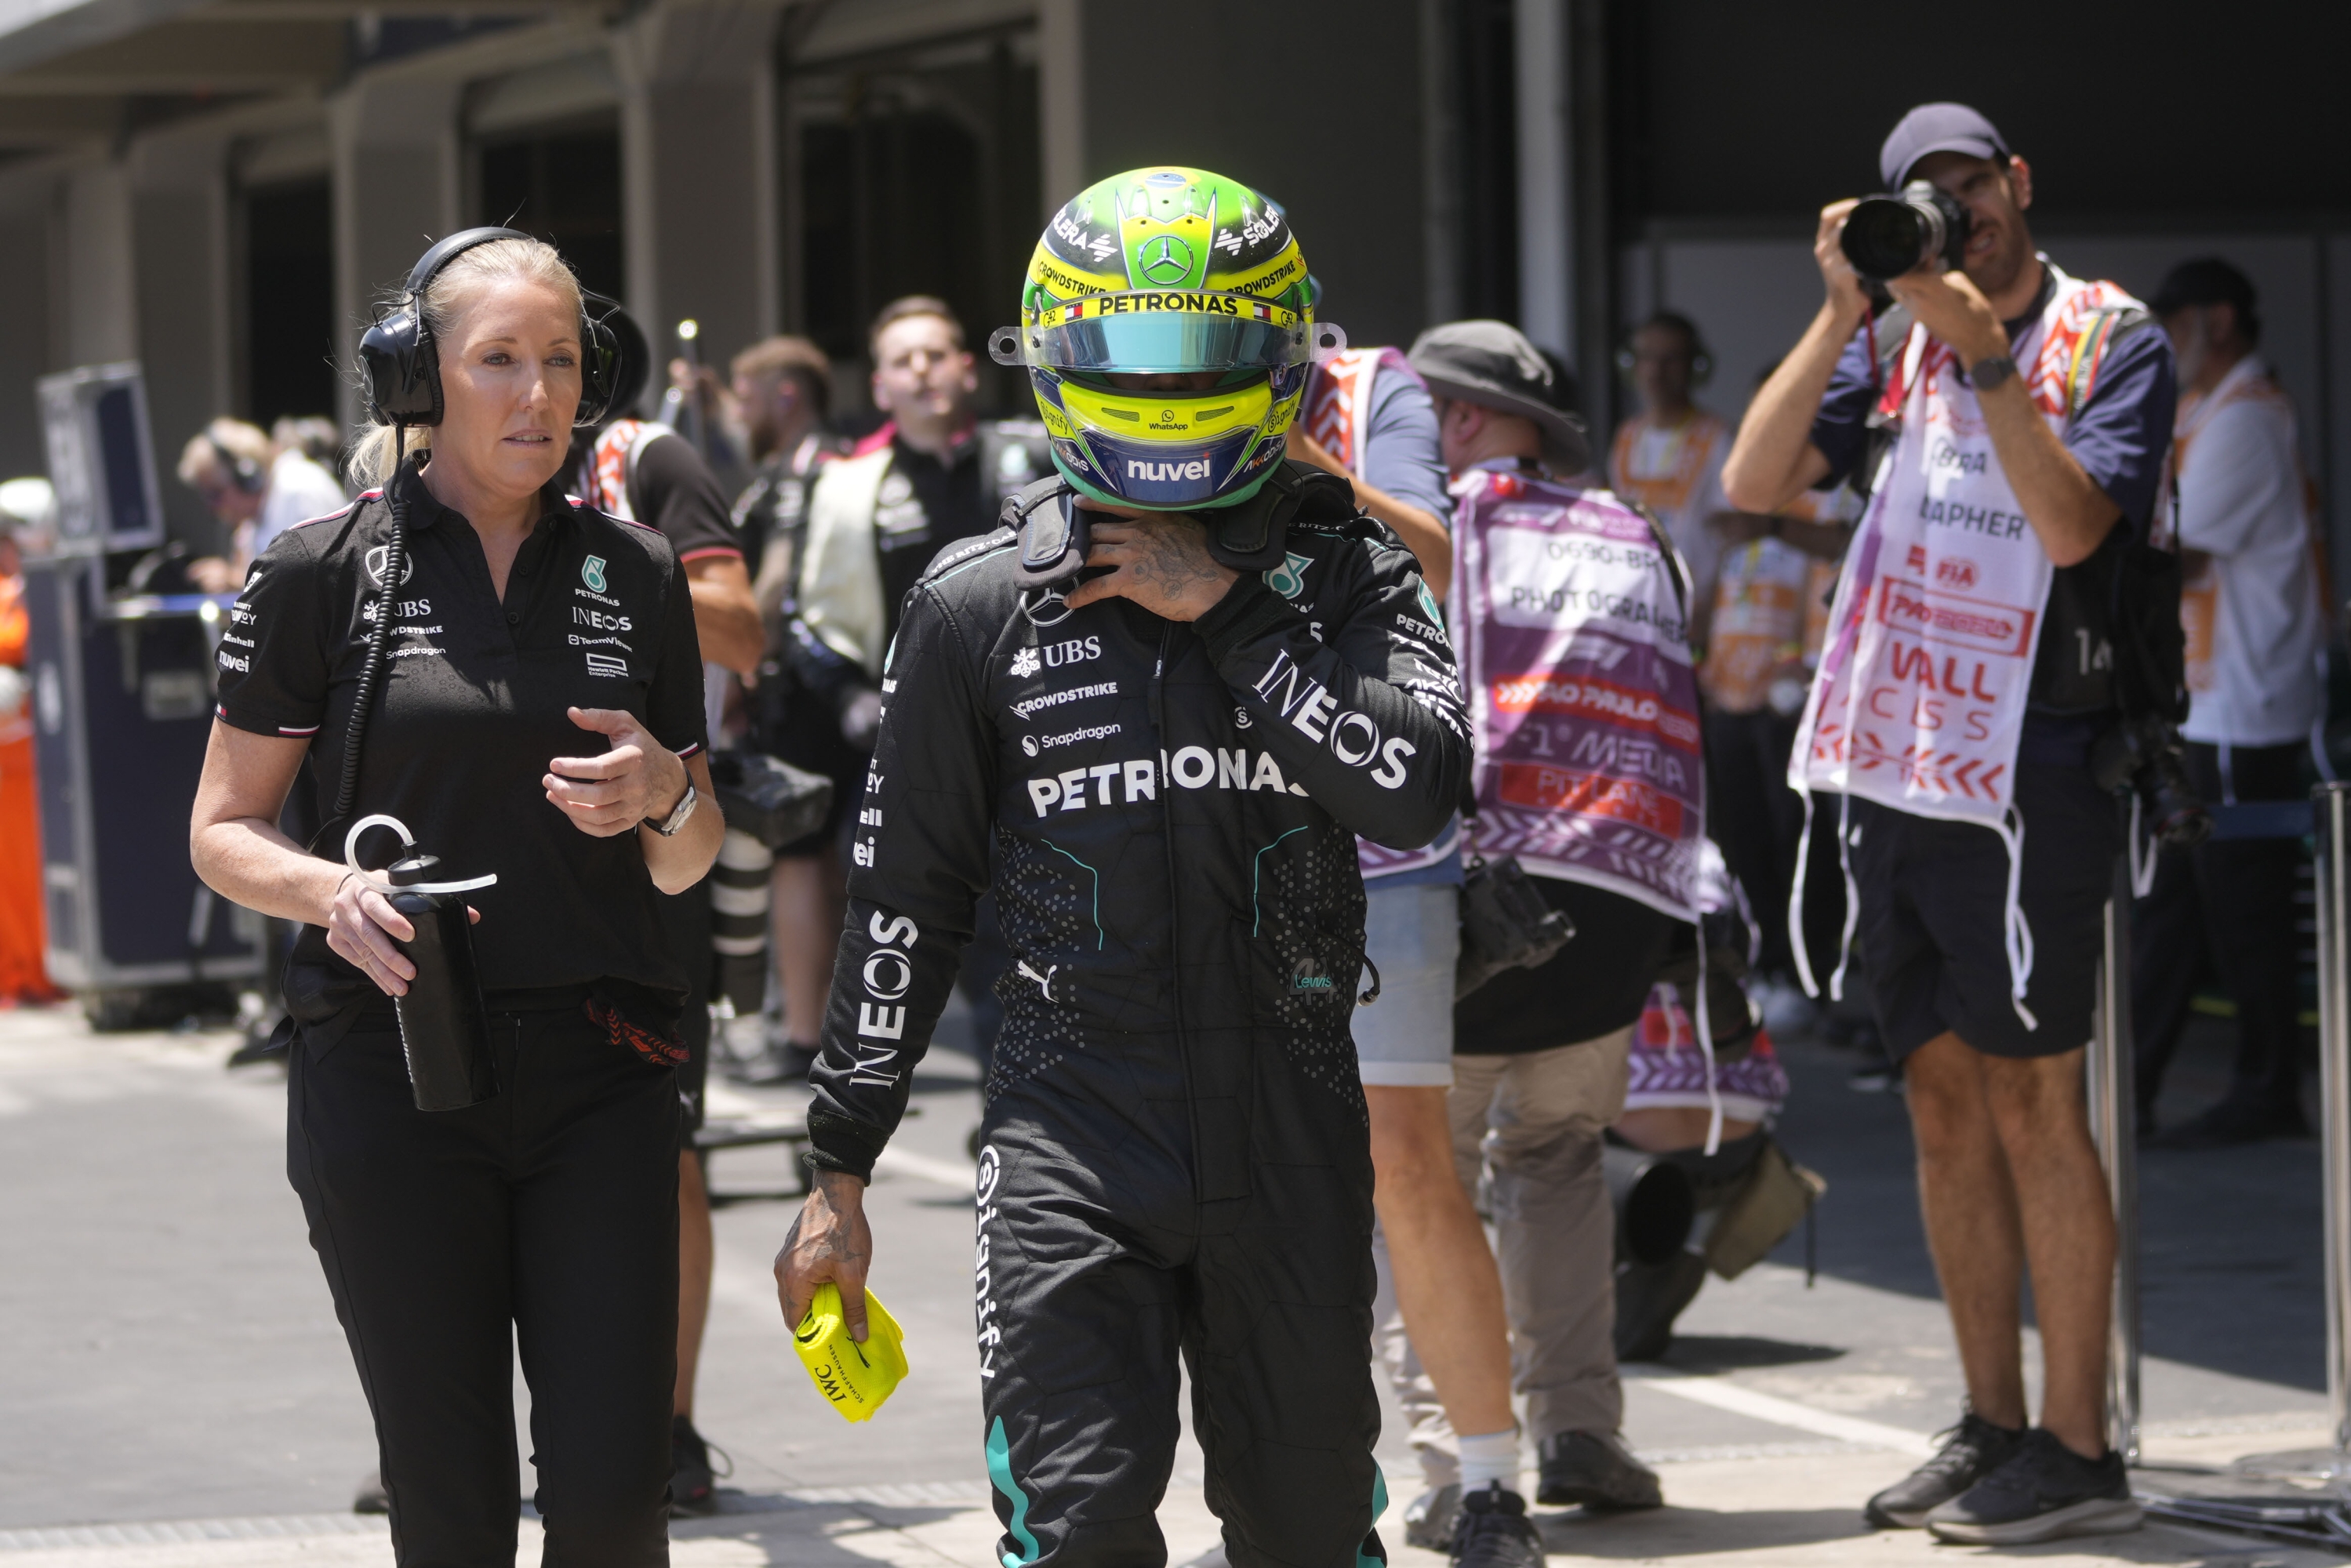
(1933, 902)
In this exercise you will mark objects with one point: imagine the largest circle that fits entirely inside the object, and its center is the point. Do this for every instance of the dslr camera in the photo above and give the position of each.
(2143, 754)
(1885, 237)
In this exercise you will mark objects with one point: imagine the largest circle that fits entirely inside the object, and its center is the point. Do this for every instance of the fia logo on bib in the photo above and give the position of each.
(592, 572)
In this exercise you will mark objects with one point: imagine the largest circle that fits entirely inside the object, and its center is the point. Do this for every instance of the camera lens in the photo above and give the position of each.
(1884, 237)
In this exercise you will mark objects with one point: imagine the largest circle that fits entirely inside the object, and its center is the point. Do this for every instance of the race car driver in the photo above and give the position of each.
(1174, 1155)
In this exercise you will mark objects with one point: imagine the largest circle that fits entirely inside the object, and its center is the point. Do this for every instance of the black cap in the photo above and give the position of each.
(1491, 364)
(1937, 128)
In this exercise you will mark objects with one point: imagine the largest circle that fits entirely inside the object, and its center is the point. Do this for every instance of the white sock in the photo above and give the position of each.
(1490, 1459)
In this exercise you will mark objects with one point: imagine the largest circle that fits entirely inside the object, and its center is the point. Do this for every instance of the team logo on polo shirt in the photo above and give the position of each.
(376, 559)
(592, 572)
(607, 665)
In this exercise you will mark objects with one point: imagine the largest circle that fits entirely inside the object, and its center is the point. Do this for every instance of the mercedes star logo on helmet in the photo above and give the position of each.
(1166, 259)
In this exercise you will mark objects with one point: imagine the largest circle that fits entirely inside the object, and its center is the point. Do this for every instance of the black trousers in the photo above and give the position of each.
(548, 1217)
(1757, 819)
(2232, 900)
(1098, 1269)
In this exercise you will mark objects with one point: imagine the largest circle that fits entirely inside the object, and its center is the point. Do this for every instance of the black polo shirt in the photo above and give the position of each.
(470, 715)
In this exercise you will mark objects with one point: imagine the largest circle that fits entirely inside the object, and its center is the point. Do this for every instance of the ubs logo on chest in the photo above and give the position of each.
(1027, 661)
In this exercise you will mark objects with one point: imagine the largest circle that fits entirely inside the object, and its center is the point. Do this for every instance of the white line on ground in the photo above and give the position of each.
(946, 1173)
(189, 1530)
(1739, 1401)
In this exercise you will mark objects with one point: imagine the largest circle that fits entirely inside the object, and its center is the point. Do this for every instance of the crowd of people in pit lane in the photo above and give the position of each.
(1646, 1040)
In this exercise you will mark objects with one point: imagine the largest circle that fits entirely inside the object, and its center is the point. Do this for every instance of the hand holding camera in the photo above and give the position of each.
(1908, 248)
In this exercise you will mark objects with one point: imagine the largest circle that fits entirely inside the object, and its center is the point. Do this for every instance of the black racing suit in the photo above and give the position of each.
(1175, 1152)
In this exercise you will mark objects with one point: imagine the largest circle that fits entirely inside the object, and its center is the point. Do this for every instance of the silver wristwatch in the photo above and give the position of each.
(668, 826)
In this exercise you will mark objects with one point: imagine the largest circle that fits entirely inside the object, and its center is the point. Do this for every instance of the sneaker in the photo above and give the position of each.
(1596, 1469)
(693, 1486)
(1429, 1522)
(372, 1498)
(2044, 1491)
(1495, 1531)
(1971, 1451)
(781, 1064)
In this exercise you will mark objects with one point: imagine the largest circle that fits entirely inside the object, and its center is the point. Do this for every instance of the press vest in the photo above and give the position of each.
(1337, 414)
(1920, 698)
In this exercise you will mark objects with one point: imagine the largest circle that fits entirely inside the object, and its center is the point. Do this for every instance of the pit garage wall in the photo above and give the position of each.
(1752, 296)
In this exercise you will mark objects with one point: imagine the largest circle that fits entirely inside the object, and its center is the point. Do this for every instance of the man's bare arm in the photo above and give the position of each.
(1423, 534)
(725, 616)
(2069, 513)
(1773, 460)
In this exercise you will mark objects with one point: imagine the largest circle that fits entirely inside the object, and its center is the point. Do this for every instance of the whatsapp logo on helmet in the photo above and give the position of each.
(1168, 332)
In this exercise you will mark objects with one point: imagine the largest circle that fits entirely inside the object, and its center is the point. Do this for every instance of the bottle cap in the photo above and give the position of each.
(415, 869)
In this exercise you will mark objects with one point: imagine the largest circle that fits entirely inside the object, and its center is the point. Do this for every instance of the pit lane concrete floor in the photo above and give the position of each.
(177, 1391)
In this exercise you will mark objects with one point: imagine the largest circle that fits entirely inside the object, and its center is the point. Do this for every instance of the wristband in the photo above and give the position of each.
(1986, 374)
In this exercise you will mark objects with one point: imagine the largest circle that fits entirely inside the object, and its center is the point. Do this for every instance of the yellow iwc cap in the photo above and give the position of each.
(854, 1378)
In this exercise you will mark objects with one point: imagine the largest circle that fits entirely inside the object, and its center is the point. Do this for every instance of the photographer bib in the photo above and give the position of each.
(1576, 655)
(1920, 699)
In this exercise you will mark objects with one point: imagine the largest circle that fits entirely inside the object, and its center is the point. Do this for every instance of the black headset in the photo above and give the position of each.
(403, 366)
(1701, 357)
(243, 472)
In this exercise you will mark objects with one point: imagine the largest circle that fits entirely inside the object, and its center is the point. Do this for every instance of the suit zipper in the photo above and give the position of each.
(1175, 908)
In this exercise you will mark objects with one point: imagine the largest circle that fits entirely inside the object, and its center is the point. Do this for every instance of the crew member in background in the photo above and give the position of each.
(23, 973)
(2035, 409)
(1669, 456)
(1754, 677)
(257, 489)
(1539, 1055)
(2256, 636)
(933, 475)
(314, 435)
(1368, 417)
(782, 391)
(645, 473)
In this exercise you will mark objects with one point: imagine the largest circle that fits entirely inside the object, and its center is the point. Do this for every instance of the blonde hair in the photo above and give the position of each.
(222, 444)
(455, 287)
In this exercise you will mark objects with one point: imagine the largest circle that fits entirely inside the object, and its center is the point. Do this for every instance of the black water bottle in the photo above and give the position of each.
(444, 1025)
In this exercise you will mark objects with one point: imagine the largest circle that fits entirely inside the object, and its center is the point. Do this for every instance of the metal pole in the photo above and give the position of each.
(2113, 1113)
(2321, 1521)
(2331, 804)
(2333, 801)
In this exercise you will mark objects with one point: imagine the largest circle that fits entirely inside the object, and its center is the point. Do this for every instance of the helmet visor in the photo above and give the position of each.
(1166, 333)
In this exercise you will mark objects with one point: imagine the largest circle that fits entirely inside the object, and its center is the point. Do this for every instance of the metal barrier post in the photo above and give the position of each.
(2333, 803)
(2114, 1116)
(2322, 1520)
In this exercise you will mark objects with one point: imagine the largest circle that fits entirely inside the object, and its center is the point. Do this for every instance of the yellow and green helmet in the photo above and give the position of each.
(1166, 272)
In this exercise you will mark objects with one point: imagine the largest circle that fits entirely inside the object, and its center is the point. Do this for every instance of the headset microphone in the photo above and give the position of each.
(243, 472)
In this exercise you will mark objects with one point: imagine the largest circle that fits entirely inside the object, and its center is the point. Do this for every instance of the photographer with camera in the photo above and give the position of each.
(1974, 663)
